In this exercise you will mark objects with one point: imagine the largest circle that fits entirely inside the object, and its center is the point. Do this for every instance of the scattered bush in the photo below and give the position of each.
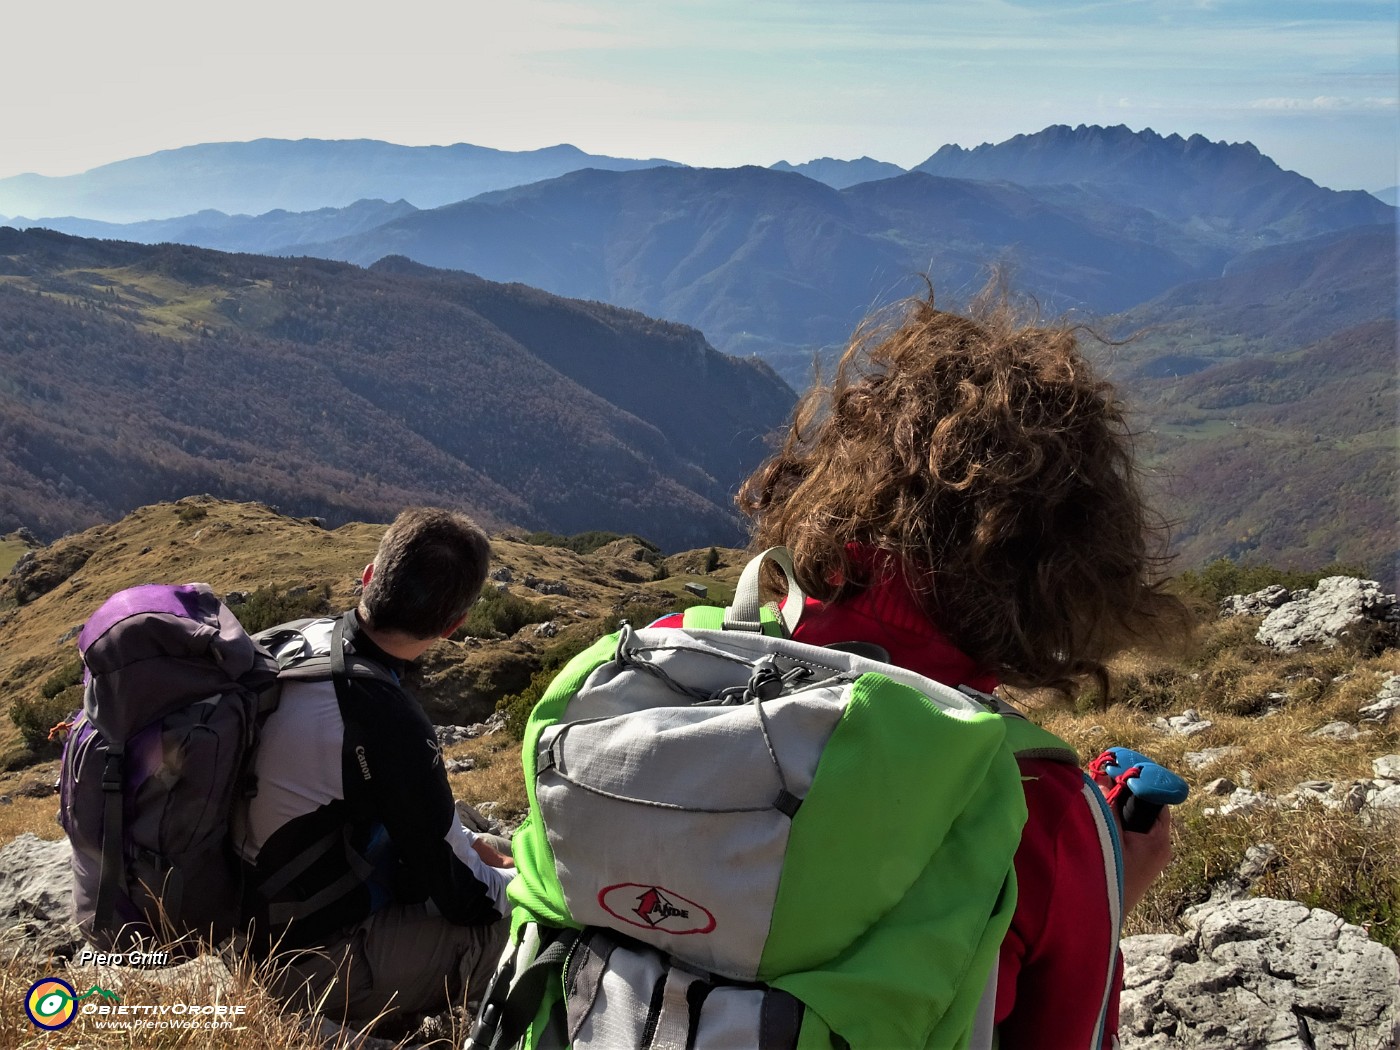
(499, 612)
(268, 606)
(1222, 578)
(36, 717)
(585, 542)
(69, 674)
(1326, 859)
(191, 513)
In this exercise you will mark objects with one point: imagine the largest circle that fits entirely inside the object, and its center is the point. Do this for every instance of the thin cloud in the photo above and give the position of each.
(1326, 103)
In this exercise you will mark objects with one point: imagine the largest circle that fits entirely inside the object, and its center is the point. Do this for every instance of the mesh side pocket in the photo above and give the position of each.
(622, 994)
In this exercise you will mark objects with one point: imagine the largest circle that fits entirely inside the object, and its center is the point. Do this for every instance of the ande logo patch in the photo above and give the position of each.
(655, 908)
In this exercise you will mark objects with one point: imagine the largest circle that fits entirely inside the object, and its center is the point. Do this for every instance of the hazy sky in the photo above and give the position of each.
(1312, 83)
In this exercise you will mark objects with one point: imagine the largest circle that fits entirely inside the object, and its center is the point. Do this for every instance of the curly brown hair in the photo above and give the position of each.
(985, 456)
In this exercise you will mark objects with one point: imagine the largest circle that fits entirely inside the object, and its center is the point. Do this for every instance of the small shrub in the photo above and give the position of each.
(69, 674)
(1147, 686)
(268, 606)
(501, 612)
(712, 559)
(190, 513)
(517, 706)
(1223, 577)
(36, 717)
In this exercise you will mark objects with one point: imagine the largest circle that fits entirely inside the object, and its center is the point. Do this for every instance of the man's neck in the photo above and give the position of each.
(396, 643)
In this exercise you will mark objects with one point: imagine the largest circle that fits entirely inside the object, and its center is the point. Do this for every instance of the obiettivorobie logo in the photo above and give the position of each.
(52, 1003)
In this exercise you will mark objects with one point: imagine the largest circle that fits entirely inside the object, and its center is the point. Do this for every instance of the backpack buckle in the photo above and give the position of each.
(112, 772)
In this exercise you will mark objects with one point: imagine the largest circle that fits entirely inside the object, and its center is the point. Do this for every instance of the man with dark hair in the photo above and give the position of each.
(364, 879)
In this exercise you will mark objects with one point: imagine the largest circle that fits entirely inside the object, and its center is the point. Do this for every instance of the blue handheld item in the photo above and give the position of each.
(1149, 789)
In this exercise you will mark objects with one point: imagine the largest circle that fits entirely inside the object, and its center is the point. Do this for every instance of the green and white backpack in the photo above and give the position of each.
(736, 840)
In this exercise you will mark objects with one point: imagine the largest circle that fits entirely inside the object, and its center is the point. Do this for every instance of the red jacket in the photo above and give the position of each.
(1055, 957)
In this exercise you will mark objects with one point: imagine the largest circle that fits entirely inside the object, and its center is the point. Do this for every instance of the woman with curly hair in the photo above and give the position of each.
(962, 494)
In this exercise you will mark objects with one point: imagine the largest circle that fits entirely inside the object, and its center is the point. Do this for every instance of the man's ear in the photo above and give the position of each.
(451, 630)
(367, 575)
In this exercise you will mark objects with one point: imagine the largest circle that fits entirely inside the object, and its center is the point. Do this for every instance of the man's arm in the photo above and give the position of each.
(395, 763)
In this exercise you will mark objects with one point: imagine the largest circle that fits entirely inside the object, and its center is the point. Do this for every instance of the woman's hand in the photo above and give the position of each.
(1146, 855)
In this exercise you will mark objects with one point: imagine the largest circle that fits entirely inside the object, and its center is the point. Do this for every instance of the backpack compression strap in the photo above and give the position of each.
(512, 1002)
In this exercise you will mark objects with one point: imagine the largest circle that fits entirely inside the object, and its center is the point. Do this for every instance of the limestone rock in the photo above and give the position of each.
(36, 879)
(1343, 731)
(1210, 756)
(1260, 974)
(1260, 603)
(36, 900)
(1382, 709)
(1335, 608)
(1188, 723)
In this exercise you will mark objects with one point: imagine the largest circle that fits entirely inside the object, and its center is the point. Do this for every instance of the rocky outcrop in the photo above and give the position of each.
(1382, 709)
(1188, 723)
(39, 571)
(1260, 603)
(1260, 974)
(1375, 801)
(36, 894)
(1338, 607)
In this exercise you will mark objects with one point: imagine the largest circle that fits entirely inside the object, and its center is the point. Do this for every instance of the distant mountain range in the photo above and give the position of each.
(777, 263)
(1230, 190)
(136, 373)
(840, 174)
(282, 174)
(1236, 275)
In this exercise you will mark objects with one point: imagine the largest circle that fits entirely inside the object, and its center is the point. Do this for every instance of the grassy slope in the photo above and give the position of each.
(1263, 703)
(12, 548)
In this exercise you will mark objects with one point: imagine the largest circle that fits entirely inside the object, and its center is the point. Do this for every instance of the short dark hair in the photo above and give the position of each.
(430, 567)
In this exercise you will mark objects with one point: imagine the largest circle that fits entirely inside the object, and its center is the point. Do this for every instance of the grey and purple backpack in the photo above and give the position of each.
(174, 693)
(172, 686)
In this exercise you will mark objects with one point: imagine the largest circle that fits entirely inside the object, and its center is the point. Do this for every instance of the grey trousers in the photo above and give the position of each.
(406, 958)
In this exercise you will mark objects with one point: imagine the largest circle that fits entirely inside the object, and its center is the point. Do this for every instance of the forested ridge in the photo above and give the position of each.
(136, 373)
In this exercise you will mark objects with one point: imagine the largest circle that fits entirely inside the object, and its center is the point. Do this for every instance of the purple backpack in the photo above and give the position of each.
(173, 691)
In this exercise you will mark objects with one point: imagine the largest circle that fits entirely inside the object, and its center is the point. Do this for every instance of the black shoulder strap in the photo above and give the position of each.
(113, 877)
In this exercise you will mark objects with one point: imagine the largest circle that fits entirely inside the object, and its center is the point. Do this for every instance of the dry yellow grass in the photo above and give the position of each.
(496, 780)
(1326, 857)
(234, 1011)
(1267, 706)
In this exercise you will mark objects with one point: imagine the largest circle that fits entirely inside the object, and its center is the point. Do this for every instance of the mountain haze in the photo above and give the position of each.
(137, 373)
(260, 234)
(839, 174)
(1270, 300)
(301, 175)
(773, 263)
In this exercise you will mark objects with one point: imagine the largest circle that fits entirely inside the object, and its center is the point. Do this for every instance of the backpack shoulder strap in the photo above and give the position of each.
(1028, 740)
(334, 665)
